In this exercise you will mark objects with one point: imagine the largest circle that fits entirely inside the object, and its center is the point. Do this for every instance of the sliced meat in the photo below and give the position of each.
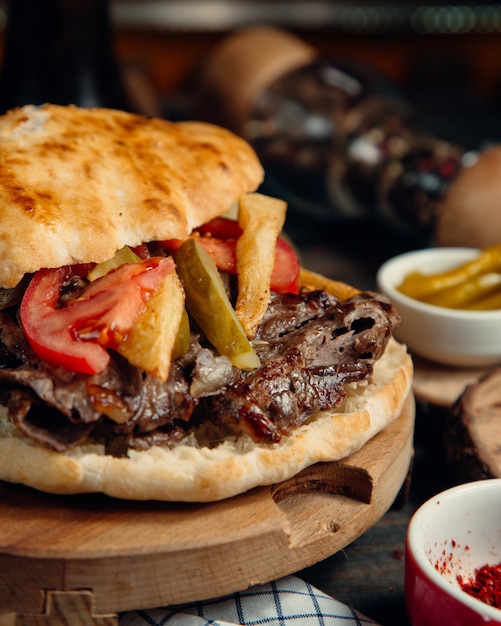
(286, 312)
(306, 369)
(32, 417)
(310, 346)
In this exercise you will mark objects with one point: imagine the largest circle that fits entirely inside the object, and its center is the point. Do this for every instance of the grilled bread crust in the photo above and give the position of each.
(78, 184)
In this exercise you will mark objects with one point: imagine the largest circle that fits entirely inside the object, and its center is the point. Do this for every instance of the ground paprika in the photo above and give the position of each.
(485, 585)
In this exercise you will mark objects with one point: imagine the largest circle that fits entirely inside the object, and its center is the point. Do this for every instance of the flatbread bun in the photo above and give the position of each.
(194, 474)
(124, 179)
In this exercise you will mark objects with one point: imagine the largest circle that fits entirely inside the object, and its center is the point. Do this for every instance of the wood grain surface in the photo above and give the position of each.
(441, 385)
(112, 555)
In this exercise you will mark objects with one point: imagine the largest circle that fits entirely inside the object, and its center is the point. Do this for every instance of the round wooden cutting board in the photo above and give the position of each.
(67, 560)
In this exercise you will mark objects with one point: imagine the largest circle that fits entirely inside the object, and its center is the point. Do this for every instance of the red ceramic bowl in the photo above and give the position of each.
(450, 536)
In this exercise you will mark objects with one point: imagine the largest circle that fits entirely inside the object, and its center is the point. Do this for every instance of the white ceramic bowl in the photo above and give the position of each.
(448, 336)
(452, 534)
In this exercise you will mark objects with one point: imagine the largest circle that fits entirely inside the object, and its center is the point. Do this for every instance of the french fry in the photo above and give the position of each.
(261, 219)
(151, 341)
(337, 288)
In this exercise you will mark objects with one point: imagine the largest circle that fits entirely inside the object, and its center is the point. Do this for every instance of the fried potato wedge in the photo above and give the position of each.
(150, 343)
(341, 290)
(261, 219)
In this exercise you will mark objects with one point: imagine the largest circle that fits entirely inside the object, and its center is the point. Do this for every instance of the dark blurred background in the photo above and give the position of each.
(446, 57)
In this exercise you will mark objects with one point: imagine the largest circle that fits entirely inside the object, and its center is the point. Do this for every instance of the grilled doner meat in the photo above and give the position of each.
(311, 346)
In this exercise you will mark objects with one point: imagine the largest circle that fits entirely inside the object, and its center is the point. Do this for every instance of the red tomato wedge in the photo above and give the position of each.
(77, 336)
(223, 251)
(222, 228)
(219, 238)
(286, 270)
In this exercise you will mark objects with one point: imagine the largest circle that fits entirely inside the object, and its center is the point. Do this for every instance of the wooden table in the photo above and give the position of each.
(368, 574)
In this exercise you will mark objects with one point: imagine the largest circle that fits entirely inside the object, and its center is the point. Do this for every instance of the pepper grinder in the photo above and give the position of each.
(60, 51)
(338, 141)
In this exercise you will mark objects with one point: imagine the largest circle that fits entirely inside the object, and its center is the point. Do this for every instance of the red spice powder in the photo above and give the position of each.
(445, 565)
(485, 585)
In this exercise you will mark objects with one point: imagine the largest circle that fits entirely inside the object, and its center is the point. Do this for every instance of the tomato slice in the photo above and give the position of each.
(286, 270)
(142, 251)
(221, 228)
(78, 335)
(219, 238)
(223, 251)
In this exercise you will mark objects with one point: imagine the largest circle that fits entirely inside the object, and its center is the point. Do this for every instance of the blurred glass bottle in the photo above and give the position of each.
(335, 138)
(60, 51)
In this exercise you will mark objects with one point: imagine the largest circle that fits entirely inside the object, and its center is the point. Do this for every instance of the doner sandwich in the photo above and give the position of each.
(158, 337)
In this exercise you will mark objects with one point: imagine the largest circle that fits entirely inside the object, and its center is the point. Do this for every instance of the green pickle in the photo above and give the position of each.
(208, 303)
(182, 342)
(124, 255)
(422, 287)
(474, 285)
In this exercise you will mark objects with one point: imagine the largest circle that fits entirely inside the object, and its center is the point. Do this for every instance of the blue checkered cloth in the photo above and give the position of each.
(283, 602)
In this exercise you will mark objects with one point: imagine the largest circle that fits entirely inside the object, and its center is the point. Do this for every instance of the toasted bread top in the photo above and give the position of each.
(78, 184)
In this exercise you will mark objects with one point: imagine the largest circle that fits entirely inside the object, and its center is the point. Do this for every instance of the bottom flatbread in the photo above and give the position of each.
(192, 474)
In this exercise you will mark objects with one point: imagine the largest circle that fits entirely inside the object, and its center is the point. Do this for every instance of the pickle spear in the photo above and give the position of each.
(422, 286)
(182, 340)
(124, 255)
(208, 303)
